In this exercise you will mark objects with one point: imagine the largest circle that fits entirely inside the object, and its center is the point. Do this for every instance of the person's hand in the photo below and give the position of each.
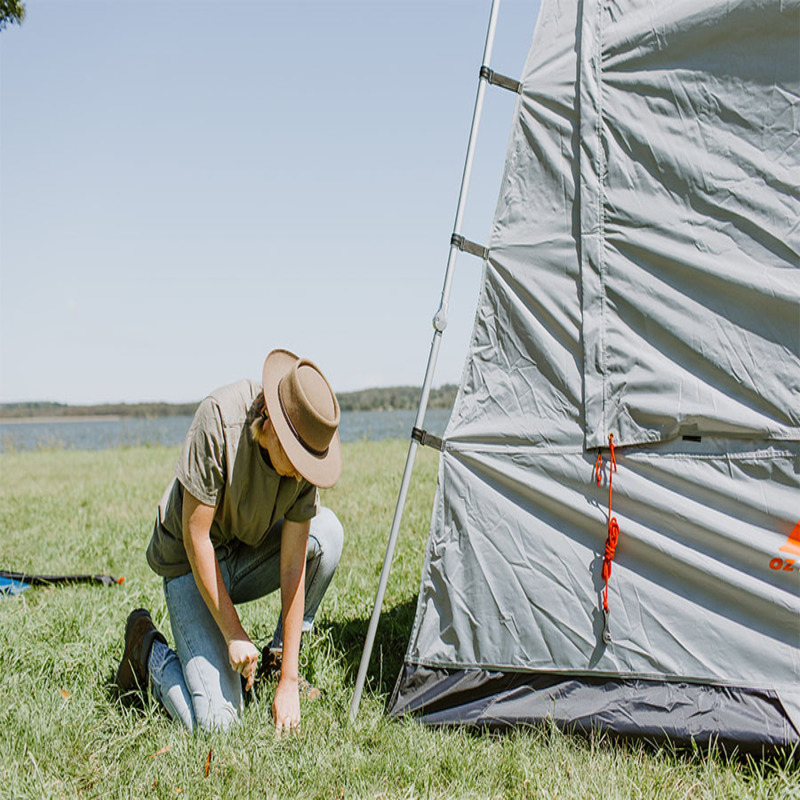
(243, 655)
(286, 708)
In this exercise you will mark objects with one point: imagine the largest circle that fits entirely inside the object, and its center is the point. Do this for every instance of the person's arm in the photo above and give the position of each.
(197, 519)
(286, 705)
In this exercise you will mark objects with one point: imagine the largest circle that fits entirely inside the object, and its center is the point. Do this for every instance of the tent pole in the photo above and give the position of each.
(439, 324)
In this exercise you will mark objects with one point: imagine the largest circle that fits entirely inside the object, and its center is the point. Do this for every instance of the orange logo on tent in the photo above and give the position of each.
(793, 542)
(792, 546)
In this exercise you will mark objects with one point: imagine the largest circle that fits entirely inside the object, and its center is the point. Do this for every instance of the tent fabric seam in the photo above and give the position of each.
(629, 451)
(624, 676)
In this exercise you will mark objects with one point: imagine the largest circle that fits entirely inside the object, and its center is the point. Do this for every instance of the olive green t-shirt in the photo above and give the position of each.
(222, 466)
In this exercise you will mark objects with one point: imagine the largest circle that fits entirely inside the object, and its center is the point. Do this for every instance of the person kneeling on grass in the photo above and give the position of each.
(240, 520)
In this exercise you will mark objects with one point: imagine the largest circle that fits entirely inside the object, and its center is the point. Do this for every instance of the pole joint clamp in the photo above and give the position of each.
(426, 439)
(466, 246)
(496, 79)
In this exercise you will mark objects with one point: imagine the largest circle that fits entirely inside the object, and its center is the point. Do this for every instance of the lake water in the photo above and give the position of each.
(100, 434)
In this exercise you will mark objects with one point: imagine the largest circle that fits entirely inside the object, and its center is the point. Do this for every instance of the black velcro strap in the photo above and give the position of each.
(467, 246)
(426, 439)
(504, 82)
(47, 580)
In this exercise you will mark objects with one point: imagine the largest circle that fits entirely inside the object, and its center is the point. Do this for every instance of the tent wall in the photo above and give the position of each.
(689, 160)
(642, 281)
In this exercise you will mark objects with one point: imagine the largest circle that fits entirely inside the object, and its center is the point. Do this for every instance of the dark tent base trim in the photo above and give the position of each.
(748, 719)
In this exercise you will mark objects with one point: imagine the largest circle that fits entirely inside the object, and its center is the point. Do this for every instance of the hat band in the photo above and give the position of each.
(306, 445)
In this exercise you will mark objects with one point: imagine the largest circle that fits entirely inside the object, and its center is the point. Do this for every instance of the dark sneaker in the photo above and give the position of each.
(140, 633)
(270, 667)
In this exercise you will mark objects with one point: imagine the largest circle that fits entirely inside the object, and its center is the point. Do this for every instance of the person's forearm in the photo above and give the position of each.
(292, 604)
(208, 577)
(294, 539)
(197, 521)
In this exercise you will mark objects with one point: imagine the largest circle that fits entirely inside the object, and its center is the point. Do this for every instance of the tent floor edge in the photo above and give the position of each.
(746, 720)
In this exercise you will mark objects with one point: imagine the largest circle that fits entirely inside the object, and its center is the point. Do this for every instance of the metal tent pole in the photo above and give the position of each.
(439, 324)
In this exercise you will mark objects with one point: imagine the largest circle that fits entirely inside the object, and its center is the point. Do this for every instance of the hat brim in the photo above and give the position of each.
(322, 471)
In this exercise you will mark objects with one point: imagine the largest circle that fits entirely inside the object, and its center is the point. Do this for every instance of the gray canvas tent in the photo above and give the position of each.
(641, 301)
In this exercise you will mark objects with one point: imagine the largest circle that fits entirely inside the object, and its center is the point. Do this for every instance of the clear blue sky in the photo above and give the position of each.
(186, 185)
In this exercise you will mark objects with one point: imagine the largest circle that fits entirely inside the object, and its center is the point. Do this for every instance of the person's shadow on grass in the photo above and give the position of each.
(391, 640)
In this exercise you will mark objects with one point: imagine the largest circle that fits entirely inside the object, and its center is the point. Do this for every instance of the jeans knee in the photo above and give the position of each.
(214, 717)
(328, 531)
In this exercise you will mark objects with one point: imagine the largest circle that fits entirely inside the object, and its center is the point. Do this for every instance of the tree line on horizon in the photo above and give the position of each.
(390, 398)
(11, 11)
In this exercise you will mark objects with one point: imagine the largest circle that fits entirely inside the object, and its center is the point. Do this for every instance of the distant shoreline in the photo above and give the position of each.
(64, 418)
(105, 432)
(392, 398)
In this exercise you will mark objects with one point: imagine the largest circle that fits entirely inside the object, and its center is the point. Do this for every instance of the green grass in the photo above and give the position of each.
(63, 735)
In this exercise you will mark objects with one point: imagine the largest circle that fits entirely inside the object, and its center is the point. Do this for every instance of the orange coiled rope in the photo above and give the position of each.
(613, 525)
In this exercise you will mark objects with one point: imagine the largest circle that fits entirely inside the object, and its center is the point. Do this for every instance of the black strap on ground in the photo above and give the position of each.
(49, 580)
(426, 439)
(466, 246)
(501, 80)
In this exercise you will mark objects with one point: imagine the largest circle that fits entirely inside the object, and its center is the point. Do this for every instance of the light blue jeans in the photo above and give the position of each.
(195, 682)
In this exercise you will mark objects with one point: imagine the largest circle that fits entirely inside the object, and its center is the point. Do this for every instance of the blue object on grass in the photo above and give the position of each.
(18, 582)
(8, 586)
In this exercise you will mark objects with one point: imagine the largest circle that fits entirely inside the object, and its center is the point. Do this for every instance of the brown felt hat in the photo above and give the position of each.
(305, 415)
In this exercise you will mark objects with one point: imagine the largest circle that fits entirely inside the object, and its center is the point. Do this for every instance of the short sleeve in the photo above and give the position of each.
(306, 506)
(201, 466)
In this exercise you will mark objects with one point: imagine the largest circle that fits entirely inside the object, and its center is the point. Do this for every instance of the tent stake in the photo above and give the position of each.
(439, 324)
